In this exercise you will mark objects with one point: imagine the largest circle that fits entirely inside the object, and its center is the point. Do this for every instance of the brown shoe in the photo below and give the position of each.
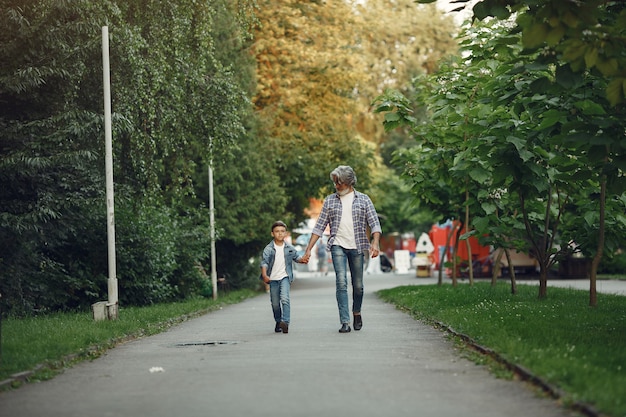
(358, 322)
(284, 327)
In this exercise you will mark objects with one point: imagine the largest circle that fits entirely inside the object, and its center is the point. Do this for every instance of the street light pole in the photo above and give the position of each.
(112, 304)
(212, 231)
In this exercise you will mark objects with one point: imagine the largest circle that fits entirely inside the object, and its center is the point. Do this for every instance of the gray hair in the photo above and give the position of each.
(344, 175)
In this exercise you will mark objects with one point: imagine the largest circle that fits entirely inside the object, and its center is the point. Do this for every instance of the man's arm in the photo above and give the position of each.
(309, 247)
(375, 245)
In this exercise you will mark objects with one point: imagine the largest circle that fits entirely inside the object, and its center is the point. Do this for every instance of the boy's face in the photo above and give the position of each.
(279, 233)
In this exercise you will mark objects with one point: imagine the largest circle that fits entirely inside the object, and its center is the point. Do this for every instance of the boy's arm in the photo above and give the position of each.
(297, 258)
(266, 279)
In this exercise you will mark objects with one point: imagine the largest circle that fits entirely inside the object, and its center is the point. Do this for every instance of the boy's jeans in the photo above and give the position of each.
(354, 260)
(279, 297)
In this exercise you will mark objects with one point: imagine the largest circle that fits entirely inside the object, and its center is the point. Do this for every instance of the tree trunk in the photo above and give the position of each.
(541, 250)
(543, 279)
(497, 267)
(455, 253)
(511, 271)
(440, 272)
(470, 261)
(593, 295)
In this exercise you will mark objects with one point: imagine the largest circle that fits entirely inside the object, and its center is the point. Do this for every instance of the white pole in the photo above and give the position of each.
(112, 305)
(212, 228)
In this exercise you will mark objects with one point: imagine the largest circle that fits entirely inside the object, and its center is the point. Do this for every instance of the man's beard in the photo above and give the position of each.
(344, 192)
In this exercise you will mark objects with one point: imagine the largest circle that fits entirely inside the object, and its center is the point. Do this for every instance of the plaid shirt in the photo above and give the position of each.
(363, 215)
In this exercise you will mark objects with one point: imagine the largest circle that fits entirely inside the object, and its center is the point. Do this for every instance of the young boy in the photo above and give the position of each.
(277, 271)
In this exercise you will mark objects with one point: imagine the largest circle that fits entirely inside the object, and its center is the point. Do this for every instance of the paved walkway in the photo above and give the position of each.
(231, 363)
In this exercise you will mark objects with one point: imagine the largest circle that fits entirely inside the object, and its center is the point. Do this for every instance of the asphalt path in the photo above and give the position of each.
(231, 363)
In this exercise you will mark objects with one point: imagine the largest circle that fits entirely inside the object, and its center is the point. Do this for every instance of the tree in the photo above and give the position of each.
(175, 104)
(48, 122)
(587, 35)
(320, 65)
(525, 146)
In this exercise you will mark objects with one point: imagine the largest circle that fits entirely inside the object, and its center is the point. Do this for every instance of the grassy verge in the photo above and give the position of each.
(612, 276)
(578, 349)
(52, 342)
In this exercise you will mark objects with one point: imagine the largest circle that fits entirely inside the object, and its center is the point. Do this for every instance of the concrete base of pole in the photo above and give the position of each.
(113, 311)
(99, 310)
(103, 310)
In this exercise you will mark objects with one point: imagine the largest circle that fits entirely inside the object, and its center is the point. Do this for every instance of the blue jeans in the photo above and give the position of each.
(279, 297)
(353, 259)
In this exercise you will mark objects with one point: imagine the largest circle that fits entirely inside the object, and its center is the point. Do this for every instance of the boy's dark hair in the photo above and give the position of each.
(278, 223)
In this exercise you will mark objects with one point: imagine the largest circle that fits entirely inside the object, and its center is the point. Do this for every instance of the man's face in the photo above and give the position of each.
(338, 184)
(340, 187)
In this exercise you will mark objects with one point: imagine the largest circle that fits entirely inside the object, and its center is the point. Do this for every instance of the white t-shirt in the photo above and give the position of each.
(345, 232)
(279, 271)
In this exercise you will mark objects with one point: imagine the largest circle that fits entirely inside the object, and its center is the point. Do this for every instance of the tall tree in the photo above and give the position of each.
(588, 38)
(320, 65)
(48, 123)
(585, 34)
(530, 139)
(176, 102)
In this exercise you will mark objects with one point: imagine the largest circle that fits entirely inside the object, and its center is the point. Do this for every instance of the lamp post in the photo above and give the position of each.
(212, 227)
(112, 304)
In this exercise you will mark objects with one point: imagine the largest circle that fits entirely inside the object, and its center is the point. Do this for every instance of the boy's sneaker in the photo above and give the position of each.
(277, 329)
(284, 327)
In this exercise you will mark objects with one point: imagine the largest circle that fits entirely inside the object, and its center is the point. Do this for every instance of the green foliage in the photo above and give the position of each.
(151, 243)
(580, 350)
(614, 265)
(177, 103)
(50, 183)
(319, 68)
(528, 138)
(587, 35)
(397, 207)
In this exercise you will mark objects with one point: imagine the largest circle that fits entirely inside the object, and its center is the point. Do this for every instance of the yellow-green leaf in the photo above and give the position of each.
(607, 67)
(616, 90)
(570, 19)
(555, 35)
(535, 35)
(574, 50)
(591, 57)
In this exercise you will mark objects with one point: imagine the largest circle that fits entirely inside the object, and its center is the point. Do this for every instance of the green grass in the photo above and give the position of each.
(612, 276)
(576, 348)
(57, 340)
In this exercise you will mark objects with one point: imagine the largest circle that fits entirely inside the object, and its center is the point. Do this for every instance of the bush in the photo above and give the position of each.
(192, 246)
(613, 265)
(146, 253)
(61, 267)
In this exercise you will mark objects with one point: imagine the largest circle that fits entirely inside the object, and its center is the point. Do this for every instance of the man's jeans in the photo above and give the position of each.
(279, 297)
(352, 258)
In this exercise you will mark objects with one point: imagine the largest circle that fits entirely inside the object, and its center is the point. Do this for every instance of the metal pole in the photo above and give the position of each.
(212, 228)
(112, 305)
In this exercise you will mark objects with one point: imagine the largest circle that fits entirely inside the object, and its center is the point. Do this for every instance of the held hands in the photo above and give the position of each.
(305, 258)
(374, 250)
